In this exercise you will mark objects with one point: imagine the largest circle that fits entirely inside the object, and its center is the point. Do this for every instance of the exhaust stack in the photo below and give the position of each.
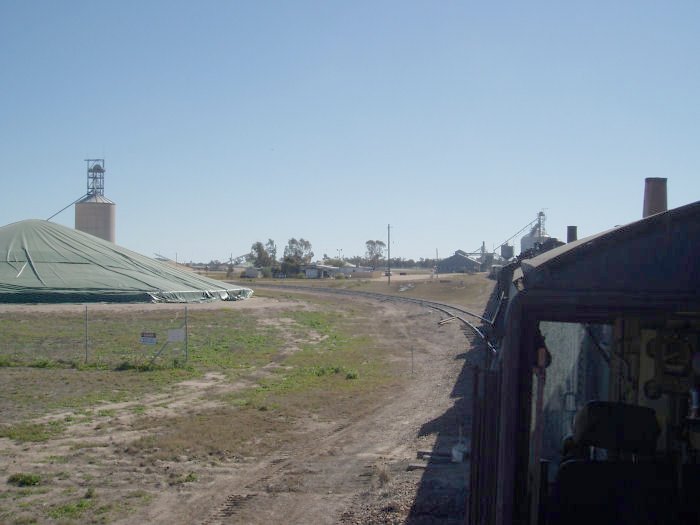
(654, 196)
(571, 233)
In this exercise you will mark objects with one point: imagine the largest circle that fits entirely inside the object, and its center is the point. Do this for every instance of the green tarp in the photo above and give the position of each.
(44, 262)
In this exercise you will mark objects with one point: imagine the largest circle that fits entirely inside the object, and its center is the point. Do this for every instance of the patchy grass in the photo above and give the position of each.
(335, 362)
(181, 479)
(457, 289)
(22, 479)
(336, 366)
(32, 431)
(31, 386)
(316, 360)
(72, 510)
(57, 340)
(215, 434)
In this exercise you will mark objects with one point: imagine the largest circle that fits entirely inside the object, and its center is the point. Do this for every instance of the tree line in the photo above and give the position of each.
(299, 252)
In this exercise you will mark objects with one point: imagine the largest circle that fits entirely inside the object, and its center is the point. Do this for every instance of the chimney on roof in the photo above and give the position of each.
(654, 196)
(571, 233)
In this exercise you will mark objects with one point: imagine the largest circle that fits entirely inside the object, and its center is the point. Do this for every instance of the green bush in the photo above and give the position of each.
(24, 480)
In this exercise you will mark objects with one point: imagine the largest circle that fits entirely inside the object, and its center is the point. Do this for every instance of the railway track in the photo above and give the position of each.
(342, 459)
(453, 312)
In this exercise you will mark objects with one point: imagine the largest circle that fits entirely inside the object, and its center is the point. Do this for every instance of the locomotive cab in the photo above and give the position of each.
(589, 410)
(615, 437)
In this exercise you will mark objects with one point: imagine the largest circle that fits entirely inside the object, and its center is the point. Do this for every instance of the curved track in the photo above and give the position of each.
(341, 462)
(454, 312)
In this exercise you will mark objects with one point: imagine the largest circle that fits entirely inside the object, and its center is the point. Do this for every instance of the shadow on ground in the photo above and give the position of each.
(443, 490)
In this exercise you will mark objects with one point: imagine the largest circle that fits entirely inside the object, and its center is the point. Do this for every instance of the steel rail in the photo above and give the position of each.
(442, 307)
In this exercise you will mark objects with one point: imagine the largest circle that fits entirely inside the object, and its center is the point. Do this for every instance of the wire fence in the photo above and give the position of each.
(94, 336)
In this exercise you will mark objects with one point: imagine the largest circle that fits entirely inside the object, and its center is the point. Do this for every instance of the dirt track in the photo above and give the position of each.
(349, 468)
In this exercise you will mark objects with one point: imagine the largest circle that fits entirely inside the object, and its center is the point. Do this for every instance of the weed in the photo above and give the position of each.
(124, 365)
(382, 475)
(140, 367)
(70, 510)
(56, 460)
(24, 480)
(42, 363)
(190, 477)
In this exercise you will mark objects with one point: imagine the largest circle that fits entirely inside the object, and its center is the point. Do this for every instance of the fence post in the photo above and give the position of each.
(186, 335)
(86, 334)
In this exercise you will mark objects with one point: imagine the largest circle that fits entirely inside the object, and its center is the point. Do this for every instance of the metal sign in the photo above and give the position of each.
(149, 338)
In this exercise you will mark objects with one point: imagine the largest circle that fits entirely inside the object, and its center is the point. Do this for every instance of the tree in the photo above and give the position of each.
(259, 256)
(332, 261)
(375, 251)
(296, 253)
(271, 248)
(299, 250)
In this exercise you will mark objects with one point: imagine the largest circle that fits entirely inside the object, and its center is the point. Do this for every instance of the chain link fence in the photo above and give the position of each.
(95, 336)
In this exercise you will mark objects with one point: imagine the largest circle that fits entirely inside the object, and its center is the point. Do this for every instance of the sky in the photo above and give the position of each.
(223, 123)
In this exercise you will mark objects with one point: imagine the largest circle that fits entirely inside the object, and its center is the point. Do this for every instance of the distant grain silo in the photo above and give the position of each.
(507, 251)
(537, 234)
(94, 214)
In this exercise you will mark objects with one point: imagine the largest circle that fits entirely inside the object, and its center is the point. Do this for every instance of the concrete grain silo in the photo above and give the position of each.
(94, 214)
(537, 234)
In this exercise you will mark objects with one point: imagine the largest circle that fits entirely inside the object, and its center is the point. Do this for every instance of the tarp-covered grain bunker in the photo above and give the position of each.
(44, 262)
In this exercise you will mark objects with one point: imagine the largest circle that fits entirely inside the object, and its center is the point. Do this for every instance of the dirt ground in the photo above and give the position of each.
(353, 465)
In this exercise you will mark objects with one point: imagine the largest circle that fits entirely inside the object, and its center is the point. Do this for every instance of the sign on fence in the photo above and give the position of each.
(148, 338)
(177, 335)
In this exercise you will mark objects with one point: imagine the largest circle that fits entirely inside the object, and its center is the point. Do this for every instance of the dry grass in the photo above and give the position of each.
(217, 434)
(465, 290)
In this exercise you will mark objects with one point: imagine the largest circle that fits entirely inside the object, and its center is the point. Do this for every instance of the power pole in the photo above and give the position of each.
(388, 255)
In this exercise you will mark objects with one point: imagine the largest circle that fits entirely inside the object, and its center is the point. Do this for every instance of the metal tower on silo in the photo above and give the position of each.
(94, 213)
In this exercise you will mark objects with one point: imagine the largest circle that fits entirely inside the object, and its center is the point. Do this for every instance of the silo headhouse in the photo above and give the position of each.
(94, 213)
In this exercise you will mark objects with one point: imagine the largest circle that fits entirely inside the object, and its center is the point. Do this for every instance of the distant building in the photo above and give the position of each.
(319, 271)
(460, 262)
(251, 272)
(325, 271)
(351, 270)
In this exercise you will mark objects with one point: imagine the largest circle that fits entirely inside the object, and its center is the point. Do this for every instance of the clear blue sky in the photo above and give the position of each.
(228, 122)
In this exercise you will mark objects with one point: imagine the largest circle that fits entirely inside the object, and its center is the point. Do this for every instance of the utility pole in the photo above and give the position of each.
(388, 255)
